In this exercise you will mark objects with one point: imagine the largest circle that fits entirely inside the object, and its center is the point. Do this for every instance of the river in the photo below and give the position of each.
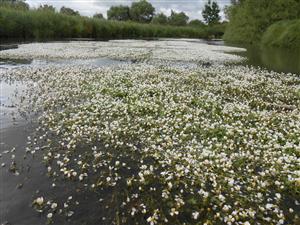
(27, 178)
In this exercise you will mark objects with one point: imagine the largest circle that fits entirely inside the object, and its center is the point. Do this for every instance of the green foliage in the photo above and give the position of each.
(178, 19)
(47, 8)
(160, 19)
(211, 12)
(120, 13)
(283, 34)
(217, 30)
(15, 4)
(69, 11)
(249, 19)
(142, 11)
(196, 23)
(40, 24)
(98, 16)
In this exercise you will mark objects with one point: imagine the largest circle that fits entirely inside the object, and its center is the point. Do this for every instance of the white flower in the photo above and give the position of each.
(39, 201)
(151, 220)
(53, 205)
(195, 215)
(174, 212)
(70, 213)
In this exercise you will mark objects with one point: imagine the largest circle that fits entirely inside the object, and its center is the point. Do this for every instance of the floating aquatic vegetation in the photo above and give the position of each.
(137, 50)
(174, 145)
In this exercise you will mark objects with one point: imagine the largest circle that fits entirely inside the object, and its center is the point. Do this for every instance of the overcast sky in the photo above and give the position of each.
(192, 8)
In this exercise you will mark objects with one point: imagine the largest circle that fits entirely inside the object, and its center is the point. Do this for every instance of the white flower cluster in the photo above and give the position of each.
(176, 50)
(217, 145)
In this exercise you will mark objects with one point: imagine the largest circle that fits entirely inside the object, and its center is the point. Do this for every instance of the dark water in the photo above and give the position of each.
(270, 58)
(273, 59)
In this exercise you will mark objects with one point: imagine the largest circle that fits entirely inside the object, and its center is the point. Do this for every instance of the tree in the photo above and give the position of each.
(211, 12)
(160, 19)
(196, 23)
(46, 8)
(98, 16)
(178, 19)
(249, 19)
(142, 11)
(236, 2)
(118, 13)
(69, 11)
(16, 4)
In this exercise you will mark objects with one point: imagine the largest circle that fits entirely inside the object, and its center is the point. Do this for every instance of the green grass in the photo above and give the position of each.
(283, 34)
(40, 25)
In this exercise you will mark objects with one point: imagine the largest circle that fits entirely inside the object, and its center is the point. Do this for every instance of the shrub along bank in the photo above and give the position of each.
(283, 34)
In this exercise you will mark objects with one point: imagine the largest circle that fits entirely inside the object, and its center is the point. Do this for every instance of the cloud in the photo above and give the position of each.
(192, 8)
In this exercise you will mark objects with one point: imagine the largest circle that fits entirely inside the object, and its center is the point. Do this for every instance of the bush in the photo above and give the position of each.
(249, 19)
(217, 30)
(283, 34)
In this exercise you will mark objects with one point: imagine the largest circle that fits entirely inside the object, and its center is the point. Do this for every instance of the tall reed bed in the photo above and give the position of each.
(37, 24)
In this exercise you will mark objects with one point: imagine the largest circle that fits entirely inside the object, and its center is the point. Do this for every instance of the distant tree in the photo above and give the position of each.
(236, 2)
(98, 16)
(211, 12)
(160, 19)
(46, 8)
(178, 19)
(196, 23)
(118, 13)
(69, 11)
(142, 11)
(16, 4)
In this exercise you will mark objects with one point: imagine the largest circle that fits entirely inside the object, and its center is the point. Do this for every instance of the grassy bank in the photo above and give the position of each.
(35, 24)
(283, 34)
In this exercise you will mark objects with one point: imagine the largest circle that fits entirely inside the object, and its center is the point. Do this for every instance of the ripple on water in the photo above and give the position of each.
(8, 100)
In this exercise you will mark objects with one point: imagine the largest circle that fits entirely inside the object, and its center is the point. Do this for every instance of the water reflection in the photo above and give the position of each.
(8, 99)
(276, 59)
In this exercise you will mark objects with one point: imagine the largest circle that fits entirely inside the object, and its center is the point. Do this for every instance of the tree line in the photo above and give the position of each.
(19, 21)
(141, 11)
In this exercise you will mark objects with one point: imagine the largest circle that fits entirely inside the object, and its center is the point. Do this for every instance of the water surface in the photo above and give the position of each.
(273, 59)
